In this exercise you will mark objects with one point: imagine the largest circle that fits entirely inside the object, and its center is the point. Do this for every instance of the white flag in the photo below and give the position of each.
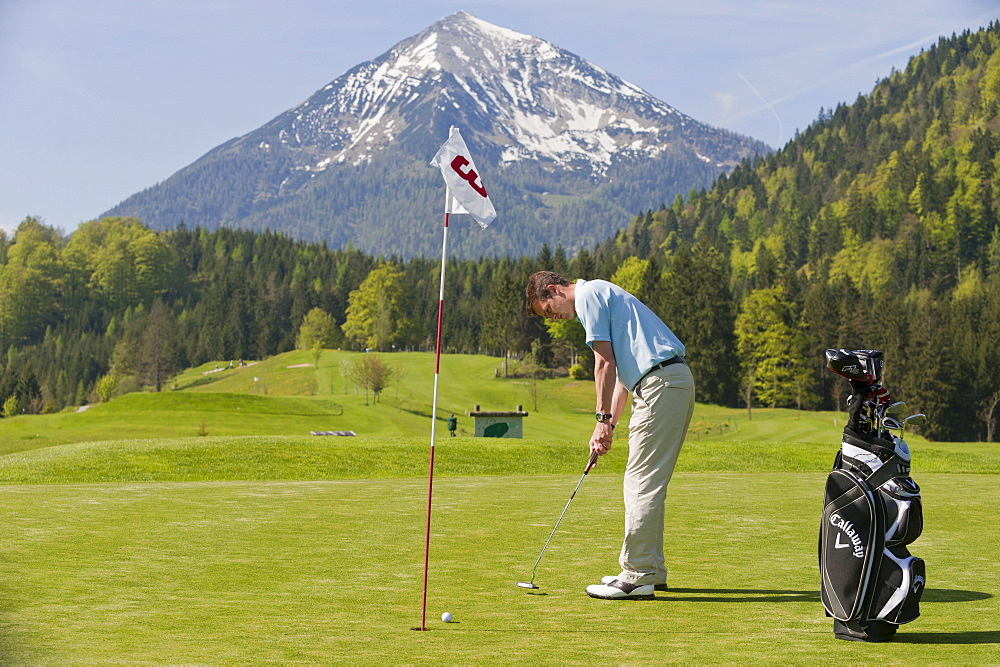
(467, 194)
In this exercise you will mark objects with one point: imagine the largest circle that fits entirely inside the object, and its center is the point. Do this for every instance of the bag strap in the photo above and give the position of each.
(885, 472)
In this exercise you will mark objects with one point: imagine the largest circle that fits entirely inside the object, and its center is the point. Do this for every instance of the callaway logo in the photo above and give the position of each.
(917, 583)
(850, 533)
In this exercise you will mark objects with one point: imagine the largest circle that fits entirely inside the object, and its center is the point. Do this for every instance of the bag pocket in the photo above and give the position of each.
(904, 513)
(850, 544)
(898, 587)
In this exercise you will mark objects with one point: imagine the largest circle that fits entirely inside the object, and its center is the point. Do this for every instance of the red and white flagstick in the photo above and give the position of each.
(437, 374)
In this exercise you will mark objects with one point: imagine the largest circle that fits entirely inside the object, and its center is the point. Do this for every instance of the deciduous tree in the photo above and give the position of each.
(127, 262)
(318, 328)
(375, 313)
(370, 372)
(772, 350)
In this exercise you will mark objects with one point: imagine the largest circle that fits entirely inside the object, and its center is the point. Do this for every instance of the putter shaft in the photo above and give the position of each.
(531, 583)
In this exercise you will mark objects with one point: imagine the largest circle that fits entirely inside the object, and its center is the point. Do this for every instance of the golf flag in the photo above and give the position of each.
(467, 194)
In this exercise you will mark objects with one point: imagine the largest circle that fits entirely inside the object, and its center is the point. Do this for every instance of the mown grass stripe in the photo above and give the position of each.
(329, 458)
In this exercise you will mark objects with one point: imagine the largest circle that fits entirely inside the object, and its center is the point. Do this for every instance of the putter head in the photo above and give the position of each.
(523, 584)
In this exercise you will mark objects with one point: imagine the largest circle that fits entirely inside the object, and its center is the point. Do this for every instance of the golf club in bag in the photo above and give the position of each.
(870, 584)
(531, 583)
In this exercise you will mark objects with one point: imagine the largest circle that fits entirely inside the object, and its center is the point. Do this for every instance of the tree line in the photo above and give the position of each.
(118, 307)
(129, 319)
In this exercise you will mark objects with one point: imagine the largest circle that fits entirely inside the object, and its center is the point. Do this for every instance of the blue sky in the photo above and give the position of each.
(102, 98)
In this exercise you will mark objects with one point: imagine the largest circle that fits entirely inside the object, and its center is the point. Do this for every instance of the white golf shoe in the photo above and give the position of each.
(608, 579)
(619, 590)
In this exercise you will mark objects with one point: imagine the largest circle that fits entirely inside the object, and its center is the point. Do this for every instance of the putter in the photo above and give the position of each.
(531, 582)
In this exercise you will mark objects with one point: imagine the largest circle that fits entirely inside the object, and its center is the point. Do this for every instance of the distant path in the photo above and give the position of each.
(229, 368)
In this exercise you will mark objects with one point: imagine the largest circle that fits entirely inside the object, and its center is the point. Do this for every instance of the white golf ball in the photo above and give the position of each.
(446, 617)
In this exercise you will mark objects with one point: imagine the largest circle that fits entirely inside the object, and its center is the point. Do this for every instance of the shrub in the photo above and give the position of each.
(106, 387)
(10, 406)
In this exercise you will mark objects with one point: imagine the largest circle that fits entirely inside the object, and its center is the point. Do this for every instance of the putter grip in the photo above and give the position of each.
(590, 463)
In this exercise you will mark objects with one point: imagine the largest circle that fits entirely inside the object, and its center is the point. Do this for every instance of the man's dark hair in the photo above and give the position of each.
(537, 289)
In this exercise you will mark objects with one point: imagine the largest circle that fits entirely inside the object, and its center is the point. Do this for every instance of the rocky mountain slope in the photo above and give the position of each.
(568, 151)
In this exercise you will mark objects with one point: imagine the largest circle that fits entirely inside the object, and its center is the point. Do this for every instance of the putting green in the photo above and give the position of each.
(331, 571)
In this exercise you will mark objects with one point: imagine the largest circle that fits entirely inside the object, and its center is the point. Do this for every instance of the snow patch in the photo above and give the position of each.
(495, 31)
(542, 102)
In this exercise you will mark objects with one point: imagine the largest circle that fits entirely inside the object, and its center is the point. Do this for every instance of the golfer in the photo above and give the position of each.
(634, 352)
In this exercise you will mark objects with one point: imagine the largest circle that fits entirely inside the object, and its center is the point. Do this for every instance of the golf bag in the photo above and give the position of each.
(871, 584)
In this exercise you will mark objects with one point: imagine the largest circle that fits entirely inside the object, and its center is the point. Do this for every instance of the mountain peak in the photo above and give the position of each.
(526, 99)
(463, 21)
(541, 119)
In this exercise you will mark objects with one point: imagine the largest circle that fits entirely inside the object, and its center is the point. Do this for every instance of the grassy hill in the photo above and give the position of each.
(288, 395)
(253, 422)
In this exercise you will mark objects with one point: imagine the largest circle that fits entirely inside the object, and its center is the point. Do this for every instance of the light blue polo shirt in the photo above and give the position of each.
(639, 338)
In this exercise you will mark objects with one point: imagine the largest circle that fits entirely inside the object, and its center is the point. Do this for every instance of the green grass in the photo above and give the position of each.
(294, 401)
(130, 538)
(325, 458)
(286, 401)
(331, 571)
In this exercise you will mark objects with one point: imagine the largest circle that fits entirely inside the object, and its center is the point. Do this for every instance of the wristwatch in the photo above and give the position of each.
(603, 416)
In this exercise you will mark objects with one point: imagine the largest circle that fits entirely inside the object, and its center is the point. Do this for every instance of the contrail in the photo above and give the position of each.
(909, 48)
(781, 129)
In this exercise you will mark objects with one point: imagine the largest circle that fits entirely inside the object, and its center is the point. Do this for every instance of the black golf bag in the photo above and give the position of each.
(870, 582)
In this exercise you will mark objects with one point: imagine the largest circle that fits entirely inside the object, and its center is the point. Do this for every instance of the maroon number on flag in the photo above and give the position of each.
(463, 180)
(471, 176)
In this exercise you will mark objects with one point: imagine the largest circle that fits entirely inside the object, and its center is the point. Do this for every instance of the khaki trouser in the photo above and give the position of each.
(662, 405)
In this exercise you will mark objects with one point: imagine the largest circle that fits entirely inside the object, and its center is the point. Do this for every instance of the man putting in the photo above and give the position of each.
(634, 351)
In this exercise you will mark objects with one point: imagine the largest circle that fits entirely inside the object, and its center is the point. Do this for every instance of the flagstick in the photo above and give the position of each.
(437, 374)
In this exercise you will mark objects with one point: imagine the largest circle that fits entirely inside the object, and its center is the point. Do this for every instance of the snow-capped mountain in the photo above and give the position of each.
(529, 98)
(555, 131)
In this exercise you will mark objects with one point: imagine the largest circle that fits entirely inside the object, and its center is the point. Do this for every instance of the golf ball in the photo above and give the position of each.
(446, 617)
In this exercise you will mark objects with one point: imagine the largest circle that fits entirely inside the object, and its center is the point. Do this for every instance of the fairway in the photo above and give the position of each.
(129, 537)
(330, 571)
